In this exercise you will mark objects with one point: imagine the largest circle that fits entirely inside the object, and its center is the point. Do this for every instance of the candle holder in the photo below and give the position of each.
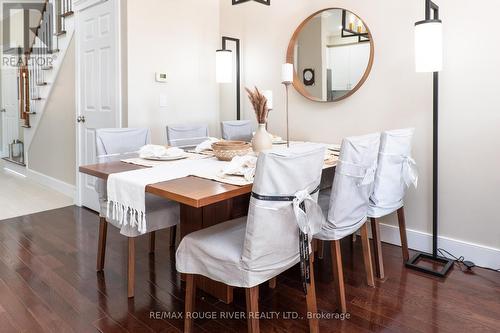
(287, 75)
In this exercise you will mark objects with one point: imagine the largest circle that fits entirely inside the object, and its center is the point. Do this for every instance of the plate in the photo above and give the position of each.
(166, 158)
(281, 142)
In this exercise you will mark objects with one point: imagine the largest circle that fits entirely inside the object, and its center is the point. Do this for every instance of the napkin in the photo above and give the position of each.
(242, 166)
(206, 145)
(159, 151)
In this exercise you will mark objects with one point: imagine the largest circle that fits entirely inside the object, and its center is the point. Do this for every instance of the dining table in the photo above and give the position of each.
(203, 203)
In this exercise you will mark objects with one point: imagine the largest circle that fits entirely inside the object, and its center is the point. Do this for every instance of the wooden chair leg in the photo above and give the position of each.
(189, 302)
(272, 283)
(252, 298)
(312, 307)
(131, 267)
(377, 249)
(321, 249)
(152, 242)
(338, 275)
(367, 257)
(101, 246)
(402, 233)
(173, 235)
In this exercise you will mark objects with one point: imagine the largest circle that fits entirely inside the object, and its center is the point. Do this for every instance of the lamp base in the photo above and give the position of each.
(445, 263)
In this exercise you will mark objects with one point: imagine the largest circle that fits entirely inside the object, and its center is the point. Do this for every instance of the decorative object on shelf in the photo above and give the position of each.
(355, 27)
(227, 150)
(287, 75)
(224, 68)
(262, 139)
(308, 76)
(429, 58)
(344, 42)
(264, 2)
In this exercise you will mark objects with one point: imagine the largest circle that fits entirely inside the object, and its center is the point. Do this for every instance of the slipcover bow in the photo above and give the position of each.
(410, 171)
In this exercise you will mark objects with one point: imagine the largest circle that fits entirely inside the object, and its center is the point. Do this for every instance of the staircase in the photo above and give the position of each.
(41, 65)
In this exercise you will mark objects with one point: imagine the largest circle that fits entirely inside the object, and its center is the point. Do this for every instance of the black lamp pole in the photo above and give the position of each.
(444, 263)
(238, 75)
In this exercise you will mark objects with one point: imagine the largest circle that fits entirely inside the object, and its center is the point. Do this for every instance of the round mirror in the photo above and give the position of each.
(332, 53)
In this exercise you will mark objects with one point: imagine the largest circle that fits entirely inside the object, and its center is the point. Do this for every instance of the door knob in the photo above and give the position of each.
(80, 119)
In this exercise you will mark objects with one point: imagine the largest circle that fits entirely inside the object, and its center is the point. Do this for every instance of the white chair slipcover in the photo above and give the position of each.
(347, 205)
(248, 251)
(186, 136)
(240, 130)
(113, 144)
(396, 171)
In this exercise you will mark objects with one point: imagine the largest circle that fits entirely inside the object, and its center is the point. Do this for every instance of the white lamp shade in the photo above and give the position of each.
(224, 66)
(429, 46)
(287, 73)
(268, 94)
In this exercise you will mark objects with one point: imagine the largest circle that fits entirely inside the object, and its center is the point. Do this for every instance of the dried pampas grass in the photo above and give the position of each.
(259, 103)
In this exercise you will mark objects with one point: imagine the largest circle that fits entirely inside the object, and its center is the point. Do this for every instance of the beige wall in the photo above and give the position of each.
(394, 96)
(52, 151)
(179, 38)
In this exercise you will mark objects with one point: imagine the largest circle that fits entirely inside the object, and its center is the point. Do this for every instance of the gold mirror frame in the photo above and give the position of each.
(291, 59)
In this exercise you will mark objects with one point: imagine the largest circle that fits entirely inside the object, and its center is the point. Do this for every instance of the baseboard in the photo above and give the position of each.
(479, 254)
(53, 183)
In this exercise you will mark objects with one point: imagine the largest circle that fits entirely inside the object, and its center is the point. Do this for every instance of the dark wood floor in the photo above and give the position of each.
(48, 283)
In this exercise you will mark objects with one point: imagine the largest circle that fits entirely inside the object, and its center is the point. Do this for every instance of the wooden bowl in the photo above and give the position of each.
(226, 150)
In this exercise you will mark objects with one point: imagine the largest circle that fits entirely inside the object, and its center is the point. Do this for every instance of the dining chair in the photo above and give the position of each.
(246, 252)
(346, 206)
(186, 136)
(396, 172)
(240, 130)
(113, 144)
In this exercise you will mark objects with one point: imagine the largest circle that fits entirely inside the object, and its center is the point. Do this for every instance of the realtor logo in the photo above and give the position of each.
(20, 23)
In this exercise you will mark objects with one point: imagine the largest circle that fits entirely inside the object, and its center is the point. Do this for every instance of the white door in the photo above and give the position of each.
(98, 85)
(9, 114)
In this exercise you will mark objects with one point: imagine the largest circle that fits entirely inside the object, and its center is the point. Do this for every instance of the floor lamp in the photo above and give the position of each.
(429, 58)
(224, 69)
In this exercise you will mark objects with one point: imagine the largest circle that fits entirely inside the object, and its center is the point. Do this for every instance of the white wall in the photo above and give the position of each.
(180, 38)
(394, 96)
(53, 149)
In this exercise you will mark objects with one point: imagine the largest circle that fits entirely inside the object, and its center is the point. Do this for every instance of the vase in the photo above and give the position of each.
(262, 139)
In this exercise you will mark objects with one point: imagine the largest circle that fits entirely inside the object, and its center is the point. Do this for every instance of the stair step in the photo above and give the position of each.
(31, 113)
(60, 33)
(37, 99)
(47, 68)
(41, 83)
(68, 13)
(25, 126)
(53, 51)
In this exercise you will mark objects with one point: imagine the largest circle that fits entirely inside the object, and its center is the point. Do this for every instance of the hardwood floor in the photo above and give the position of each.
(48, 283)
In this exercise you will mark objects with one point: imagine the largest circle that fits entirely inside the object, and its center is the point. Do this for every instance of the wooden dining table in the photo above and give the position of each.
(203, 203)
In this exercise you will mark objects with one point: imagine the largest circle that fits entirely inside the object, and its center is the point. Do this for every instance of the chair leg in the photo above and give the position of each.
(338, 275)
(321, 249)
(101, 246)
(252, 298)
(173, 235)
(189, 302)
(367, 257)
(272, 283)
(377, 249)
(131, 267)
(152, 242)
(402, 233)
(312, 307)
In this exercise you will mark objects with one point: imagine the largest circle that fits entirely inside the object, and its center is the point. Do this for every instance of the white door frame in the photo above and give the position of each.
(79, 6)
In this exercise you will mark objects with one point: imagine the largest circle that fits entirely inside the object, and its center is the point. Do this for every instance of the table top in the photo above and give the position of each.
(192, 191)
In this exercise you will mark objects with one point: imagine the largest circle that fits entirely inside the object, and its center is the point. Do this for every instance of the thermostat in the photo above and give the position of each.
(161, 77)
